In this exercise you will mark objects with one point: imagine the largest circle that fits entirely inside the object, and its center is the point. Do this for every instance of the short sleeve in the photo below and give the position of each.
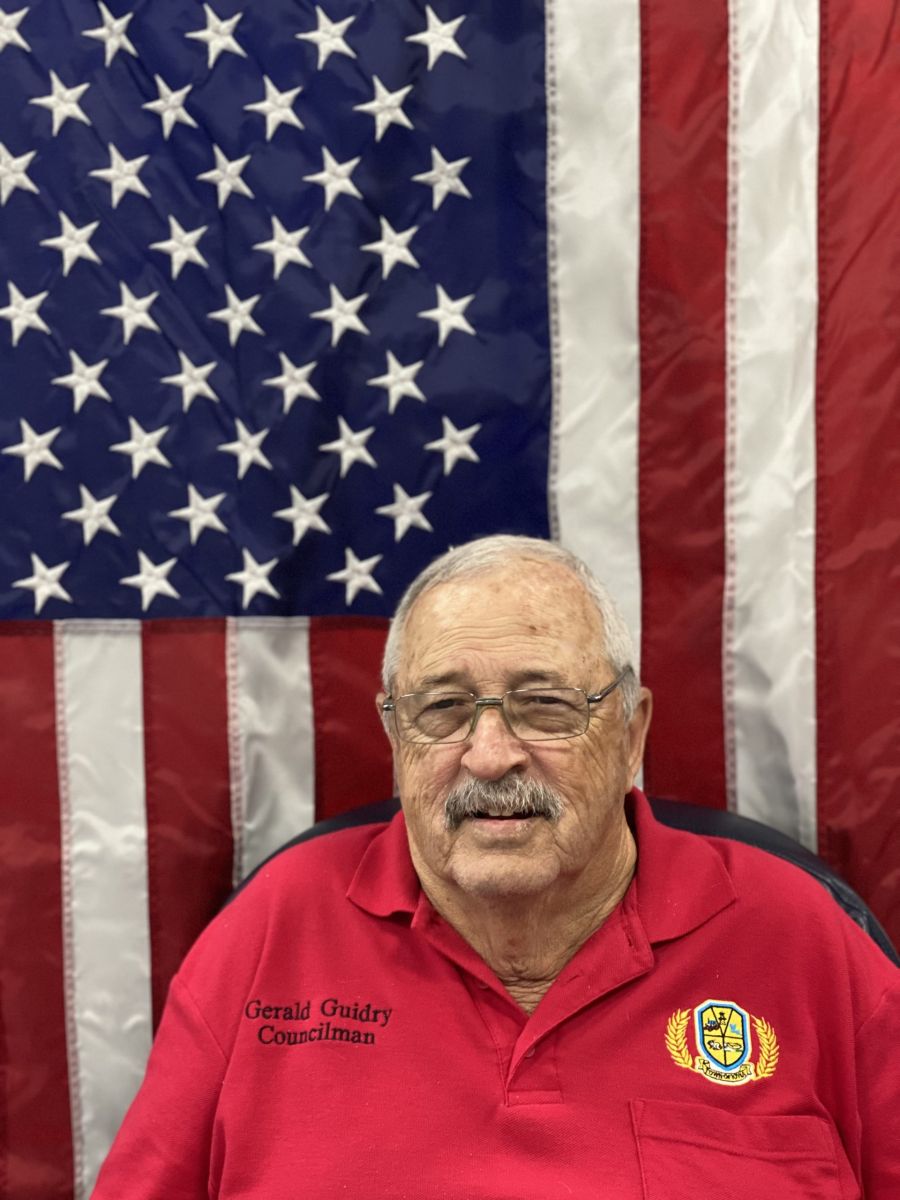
(879, 1085)
(163, 1146)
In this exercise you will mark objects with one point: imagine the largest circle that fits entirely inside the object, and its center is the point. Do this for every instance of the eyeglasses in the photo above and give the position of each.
(532, 714)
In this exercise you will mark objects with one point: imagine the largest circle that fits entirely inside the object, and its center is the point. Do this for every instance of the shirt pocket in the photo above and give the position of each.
(688, 1151)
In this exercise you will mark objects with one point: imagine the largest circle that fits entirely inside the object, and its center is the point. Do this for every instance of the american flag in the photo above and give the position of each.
(293, 296)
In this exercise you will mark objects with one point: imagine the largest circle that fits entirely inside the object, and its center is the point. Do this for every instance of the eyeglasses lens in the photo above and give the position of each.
(532, 714)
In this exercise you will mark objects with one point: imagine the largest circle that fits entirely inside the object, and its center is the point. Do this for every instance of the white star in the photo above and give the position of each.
(84, 380)
(444, 178)
(284, 246)
(246, 449)
(34, 449)
(351, 446)
(393, 247)
(143, 447)
(152, 579)
(438, 37)
(304, 514)
(449, 314)
(9, 30)
(73, 243)
(13, 173)
(122, 175)
(62, 102)
(44, 582)
(200, 512)
(236, 314)
(342, 314)
(277, 107)
(192, 381)
(454, 445)
(227, 176)
(357, 575)
(293, 381)
(385, 108)
(254, 578)
(329, 36)
(399, 381)
(182, 246)
(22, 312)
(112, 33)
(335, 178)
(93, 515)
(406, 511)
(132, 312)
(170, 107)
(218, 35)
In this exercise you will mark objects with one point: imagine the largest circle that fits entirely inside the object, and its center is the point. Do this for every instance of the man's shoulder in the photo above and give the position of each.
(766, 869)
(765, 877)
(328, 860)
(297, 887)
(781, 896)
(297, 898)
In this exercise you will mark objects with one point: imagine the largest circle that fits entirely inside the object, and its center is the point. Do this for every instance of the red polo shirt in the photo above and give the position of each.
(727, 1033)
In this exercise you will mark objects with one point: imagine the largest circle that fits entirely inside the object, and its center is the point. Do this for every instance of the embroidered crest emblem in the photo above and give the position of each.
(723, 1040)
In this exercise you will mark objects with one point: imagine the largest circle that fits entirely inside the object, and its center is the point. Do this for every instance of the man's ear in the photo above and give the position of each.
(388, 726)
(637, 732)
(384, 717)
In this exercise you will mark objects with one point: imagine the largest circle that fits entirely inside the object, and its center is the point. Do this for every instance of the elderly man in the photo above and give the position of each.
(523, 986)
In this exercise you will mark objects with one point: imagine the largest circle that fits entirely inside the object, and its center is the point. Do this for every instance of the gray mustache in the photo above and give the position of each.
(507, 797)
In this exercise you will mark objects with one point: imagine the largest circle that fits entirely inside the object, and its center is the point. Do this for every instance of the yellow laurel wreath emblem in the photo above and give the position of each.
(768, 1048)
(676, 1039)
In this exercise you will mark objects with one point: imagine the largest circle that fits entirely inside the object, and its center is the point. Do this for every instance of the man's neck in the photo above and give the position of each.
(526, 940)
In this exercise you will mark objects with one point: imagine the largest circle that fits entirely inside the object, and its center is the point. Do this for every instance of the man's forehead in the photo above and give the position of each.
(502, 607)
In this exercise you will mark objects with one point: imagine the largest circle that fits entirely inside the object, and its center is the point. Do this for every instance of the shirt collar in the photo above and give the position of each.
(679, 883)
(386, 881)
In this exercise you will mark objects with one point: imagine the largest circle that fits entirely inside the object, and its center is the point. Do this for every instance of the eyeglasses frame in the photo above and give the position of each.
(388, 705)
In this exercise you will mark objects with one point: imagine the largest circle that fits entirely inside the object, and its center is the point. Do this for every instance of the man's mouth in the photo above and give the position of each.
(525, 815)
(509, 799)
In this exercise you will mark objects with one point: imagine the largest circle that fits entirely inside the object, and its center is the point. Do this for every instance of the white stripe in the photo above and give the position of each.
(101, 763)
(235, 749)
(271, 711)
(770, 520)
(66, 845)
(593, 89)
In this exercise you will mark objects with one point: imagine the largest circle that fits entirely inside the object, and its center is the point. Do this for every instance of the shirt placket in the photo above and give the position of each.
(528, 1046)
(528, 1071)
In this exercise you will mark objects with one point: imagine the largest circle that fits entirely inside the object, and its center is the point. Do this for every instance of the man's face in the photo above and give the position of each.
(524, 625)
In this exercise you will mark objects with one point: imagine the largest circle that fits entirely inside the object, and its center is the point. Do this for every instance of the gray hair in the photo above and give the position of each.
(487, 553)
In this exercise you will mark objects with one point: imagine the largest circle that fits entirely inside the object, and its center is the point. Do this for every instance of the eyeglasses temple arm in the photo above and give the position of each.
(609, 688)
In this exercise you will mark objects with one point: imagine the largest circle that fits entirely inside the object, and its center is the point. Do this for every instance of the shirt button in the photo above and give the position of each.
(529, 1053)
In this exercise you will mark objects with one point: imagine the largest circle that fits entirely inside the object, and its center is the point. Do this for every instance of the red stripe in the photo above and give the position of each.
(858, 546)
(36, 1077)
(684, 126)
(189, 841)
(353, 761)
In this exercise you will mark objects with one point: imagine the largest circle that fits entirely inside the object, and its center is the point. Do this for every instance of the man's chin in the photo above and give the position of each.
(504, 870)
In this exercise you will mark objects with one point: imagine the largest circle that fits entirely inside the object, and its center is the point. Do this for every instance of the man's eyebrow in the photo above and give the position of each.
(428, 682)
(536, 675)
(524, 678)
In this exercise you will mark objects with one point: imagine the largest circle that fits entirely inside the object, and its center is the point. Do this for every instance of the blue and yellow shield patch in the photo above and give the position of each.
(722, 1032)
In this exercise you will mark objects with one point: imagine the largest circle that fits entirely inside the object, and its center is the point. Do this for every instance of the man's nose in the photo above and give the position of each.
(493, 749)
